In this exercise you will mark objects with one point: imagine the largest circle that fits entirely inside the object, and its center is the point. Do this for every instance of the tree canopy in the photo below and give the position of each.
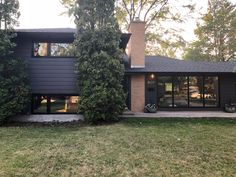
(216, 34)
(9, 14)
(163, 35)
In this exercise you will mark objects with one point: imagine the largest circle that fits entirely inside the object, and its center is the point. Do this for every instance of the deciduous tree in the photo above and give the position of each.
(216, 34)
(162, 17)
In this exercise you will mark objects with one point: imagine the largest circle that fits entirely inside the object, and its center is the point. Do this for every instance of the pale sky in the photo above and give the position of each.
(43, 14)
(47, 14)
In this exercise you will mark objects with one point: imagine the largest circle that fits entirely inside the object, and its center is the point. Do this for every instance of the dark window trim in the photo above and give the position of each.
(203, 89)
(219, 90)
(188, 91)
(48, 104)
(49, 50)
(173, 91)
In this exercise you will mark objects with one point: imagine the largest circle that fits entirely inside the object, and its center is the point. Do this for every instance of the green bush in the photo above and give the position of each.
(99, 77)
(14, 89)
(99, 65)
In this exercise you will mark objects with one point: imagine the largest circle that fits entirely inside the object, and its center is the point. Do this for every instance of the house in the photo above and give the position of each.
(170, 83)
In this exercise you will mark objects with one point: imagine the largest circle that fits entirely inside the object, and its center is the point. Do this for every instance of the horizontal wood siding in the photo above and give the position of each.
(52, 75)
(48, 75)
(23, 48)
(227, 89)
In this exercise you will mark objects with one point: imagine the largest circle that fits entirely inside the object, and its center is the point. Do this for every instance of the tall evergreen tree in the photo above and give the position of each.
(99, 65)
(14, 90)
(8, 18)
(216, 34)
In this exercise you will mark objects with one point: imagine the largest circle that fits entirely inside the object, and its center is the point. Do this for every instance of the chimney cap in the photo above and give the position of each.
(137, 19)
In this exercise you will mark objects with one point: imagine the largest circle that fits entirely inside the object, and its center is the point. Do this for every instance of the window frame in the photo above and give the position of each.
(188, 94)
(48, 104)
(49, 50)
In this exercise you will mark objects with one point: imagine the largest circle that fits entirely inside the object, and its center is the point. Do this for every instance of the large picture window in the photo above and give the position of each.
(41, 49)
(55, 104)
(188, 91)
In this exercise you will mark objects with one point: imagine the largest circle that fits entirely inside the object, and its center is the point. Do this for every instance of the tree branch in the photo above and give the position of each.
(155, 15)
(127, 10)
(150, 8)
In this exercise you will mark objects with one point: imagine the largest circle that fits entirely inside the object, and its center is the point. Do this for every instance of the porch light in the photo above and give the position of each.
(152, 76)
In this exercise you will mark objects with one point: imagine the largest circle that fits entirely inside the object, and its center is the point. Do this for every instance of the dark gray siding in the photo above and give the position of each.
(52, 75)
(48, 75)
(23, 48)
(227, 88)
(150, 92)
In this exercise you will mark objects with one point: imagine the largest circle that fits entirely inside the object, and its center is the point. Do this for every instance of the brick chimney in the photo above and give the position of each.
(136, 54)
(136, 45)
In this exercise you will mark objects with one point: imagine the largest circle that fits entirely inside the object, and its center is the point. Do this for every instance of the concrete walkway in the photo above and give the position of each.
(185, 114)
(47, 118)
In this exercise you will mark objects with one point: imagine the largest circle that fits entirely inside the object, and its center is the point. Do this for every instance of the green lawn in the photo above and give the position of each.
(163, 147)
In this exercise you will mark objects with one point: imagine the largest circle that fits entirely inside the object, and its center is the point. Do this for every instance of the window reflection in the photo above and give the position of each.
(55, 104)
(180, 91)
(64, 104)
(165, 91)
(40, 104)
(40, 49)
(187, 91)
(196, 91)
(211, 91)
(62, 50)
(53, 50)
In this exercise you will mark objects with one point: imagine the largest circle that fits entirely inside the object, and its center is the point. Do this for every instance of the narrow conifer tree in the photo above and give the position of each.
(99, 61)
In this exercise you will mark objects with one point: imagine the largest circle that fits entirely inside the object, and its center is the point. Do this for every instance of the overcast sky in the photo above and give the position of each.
(47, 14)
(43, 14)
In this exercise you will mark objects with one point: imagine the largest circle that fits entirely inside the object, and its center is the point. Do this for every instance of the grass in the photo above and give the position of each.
(132, 147)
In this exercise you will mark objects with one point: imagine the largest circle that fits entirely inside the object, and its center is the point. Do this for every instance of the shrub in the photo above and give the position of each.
(99, 65)
(14, 89)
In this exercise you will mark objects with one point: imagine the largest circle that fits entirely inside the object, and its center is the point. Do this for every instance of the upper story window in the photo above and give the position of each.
(53, 50)
(40, 49)
(62, 49)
